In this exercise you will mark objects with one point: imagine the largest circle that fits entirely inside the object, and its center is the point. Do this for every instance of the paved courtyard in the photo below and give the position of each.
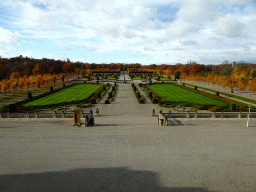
(127, 151)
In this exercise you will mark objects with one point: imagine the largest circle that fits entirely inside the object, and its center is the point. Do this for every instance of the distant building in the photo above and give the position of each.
(233, 64)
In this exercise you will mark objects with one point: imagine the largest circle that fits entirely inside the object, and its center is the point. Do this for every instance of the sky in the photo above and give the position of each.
(130, 31)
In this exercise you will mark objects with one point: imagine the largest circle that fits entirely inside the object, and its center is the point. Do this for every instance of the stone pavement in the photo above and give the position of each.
(127, 151)
(194, 155)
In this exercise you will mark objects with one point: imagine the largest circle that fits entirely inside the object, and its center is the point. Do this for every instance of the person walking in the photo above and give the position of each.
(97, 111)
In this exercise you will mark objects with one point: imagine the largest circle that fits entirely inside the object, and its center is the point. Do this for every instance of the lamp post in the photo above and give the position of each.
(248, 115)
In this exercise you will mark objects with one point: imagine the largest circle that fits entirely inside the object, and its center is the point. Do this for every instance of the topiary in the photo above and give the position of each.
(93, 101)
(232, 106)
(150, 95)
(109, 95)
(138, 94)
(29, 95)
(141, 100)
(107, 101)
(155, 100)
(195, 87)
(217, 94)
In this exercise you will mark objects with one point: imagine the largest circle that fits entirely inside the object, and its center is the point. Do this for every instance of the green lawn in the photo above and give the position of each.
(166, 79)
(173, 93)
(77, 92)
(83, 79)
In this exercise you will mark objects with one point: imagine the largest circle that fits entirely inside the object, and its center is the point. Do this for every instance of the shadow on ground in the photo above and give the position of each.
(88, 179)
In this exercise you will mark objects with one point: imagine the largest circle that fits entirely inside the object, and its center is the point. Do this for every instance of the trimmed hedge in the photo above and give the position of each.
(107, 101)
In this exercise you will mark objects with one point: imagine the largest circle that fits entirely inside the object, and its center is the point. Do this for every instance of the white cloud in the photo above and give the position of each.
(85, 34)
(194, 11)
(118, 25)
(187, 42)
(7, 37)
(3, 51)
(229, 27)
(181, 27)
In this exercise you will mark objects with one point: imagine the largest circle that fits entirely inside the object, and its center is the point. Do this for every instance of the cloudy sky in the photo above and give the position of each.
(130, 31)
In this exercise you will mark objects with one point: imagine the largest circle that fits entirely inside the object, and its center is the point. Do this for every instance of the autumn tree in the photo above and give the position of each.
(14, 85)
(168, 73)
(21, 82)
(83, 72)
(4, 86)
(219, 80)
(77, 71)
(27, 82)
(252, 85)
(38, 69)
(253, 73)
(52, 70)
(241, 84)
(32, 80)
(176, 75)
(15, 75)
(230, 82)
(214, 80)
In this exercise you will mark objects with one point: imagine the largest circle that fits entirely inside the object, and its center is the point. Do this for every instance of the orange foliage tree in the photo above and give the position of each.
(4, 85)
(15, 75)
(230, 82)
(38, 69)
(21, 82)
(252, 85)
(27, 82)
(241, 84)
(14, 85)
